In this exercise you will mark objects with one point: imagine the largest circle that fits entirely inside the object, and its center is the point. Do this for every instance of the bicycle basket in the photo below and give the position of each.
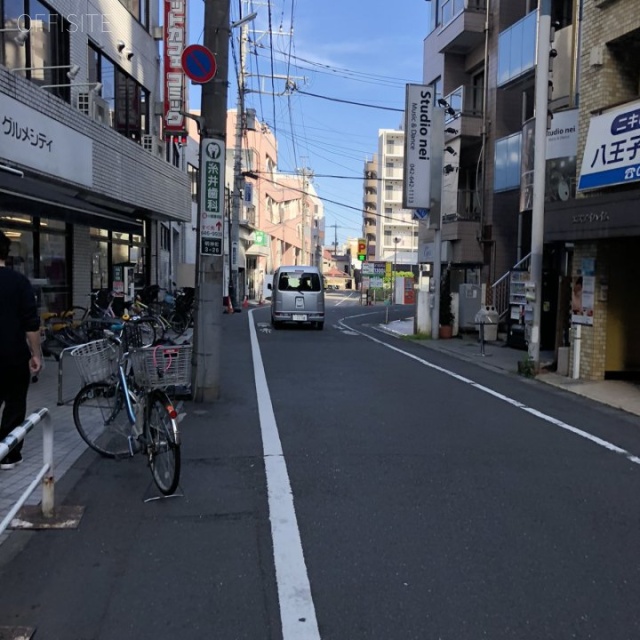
(132, 335)
(96, 361)
(162, 366)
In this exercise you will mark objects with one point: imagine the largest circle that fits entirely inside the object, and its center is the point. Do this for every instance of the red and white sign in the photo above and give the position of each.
(175, 23)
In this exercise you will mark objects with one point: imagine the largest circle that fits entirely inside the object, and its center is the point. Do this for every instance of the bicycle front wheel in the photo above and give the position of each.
(163, 443)
(178, 322)
(101, 419)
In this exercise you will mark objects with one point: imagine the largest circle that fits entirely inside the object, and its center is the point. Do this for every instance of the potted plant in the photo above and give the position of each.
(446, 314)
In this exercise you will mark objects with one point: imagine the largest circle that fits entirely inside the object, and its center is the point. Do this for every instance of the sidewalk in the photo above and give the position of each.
(497, 355)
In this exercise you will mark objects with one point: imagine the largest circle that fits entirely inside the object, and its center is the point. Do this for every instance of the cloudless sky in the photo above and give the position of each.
(349, 50)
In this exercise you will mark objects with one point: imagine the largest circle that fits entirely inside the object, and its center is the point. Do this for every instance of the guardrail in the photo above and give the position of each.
(45, 475)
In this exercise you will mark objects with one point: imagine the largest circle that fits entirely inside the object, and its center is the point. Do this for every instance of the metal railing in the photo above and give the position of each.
(450, 9)
(500, 289)
(45, 475)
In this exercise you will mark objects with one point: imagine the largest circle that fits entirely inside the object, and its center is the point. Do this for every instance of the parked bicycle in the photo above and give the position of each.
(124, 409)
(170, 316)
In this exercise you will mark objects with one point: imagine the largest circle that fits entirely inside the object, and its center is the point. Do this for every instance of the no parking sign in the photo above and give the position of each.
(198, 63)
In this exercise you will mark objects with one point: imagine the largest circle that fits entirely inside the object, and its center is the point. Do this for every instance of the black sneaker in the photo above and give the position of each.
(11, 460)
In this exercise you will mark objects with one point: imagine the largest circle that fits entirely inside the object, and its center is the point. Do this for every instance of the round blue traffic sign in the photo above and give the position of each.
(198, 63)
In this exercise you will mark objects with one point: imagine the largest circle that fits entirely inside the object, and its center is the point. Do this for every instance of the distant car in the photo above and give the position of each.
(297, 296)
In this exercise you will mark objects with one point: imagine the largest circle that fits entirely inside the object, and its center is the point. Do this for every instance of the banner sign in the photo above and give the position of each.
(175, 20)
(416, 183)
(212, 196)
(612, 153)
(560, 167)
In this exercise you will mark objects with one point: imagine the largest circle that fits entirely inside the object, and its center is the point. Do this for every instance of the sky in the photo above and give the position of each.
(346, 51)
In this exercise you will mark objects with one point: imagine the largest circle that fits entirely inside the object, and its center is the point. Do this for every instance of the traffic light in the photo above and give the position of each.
(362, 249)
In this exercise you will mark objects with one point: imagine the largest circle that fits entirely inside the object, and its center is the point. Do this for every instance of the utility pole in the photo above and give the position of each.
(437, 167)
(306, 174)
(539, 161)
(238, 179)
(209, 267)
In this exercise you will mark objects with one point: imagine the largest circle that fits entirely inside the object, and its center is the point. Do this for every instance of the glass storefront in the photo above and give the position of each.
(40, 250)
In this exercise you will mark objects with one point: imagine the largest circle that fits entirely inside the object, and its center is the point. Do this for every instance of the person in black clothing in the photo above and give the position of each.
(19, 348)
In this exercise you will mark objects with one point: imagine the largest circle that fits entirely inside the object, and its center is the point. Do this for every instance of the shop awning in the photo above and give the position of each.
(37, 197)
(257, 250)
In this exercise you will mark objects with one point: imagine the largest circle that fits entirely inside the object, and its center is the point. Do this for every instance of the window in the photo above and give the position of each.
(517, 49)
(46, 45)
(477, 97)
(507, 162)
(192, 171)
(165, 238)
(39, 249)
(139, 9)
(127, 100)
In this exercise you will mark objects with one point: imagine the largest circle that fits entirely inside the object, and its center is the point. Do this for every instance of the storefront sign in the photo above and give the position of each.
(35, 140)
(612, 152)
(416, 183)
(212, 196)
(560, 166)
(175, 20)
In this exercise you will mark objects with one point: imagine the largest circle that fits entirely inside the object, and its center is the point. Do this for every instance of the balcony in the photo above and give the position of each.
(248, 216)
(466, 101)
(370, 199)
(461, 26)
(393, 173)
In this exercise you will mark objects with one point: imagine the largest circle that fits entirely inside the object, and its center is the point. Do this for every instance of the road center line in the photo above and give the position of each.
(515, 403)
(297, 611)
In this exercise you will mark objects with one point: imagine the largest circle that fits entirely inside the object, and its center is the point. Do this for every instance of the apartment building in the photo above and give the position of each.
(480, 57)
(396, 233)
(87, 193)
(370, 206)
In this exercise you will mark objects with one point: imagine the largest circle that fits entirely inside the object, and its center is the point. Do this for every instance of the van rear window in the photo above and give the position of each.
(299, 281)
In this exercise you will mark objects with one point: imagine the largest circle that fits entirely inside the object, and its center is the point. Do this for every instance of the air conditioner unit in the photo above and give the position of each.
(94, 106)
(153, 145)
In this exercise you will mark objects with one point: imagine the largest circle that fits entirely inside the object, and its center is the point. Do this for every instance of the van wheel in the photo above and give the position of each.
(318, 325)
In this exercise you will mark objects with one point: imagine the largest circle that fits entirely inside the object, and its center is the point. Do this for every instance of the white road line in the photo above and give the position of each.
(297, 612)
(515, 403)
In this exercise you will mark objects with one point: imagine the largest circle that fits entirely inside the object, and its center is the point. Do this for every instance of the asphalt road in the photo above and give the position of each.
(350, 485)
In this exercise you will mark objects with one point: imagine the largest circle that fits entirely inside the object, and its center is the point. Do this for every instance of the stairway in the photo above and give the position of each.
(500, 289)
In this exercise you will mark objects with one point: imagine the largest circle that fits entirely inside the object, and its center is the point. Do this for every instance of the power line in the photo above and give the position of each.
(358, 104)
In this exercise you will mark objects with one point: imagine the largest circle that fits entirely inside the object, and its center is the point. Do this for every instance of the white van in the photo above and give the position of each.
(297, 296)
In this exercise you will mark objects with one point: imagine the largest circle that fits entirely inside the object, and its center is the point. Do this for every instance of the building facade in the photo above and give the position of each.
(370, 206)
(396, 233)
(481, 58)
(600, 228)
(281, 218)
(87, 193)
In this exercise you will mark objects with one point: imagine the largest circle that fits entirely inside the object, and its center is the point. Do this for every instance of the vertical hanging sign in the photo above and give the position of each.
(175, 20)
(416, 183)
(212, 196)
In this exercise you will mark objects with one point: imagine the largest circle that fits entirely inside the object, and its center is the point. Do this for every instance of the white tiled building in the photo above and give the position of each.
(396, 232)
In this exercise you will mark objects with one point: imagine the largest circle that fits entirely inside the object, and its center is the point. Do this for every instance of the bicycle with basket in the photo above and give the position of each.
(124, 408)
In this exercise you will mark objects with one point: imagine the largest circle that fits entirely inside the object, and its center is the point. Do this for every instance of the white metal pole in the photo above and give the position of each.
(537, 215)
